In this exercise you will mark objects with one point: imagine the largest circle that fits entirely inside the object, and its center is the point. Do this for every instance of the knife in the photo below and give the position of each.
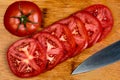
(102, 58)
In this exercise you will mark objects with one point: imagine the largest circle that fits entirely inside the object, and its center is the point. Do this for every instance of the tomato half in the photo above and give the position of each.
(22, 18)
(78, 31)
(26, 58)
(92, 26)
(52, 48)
(104, 15)
(63, 33)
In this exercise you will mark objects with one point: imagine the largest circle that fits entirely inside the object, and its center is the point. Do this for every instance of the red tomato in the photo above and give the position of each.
(63, 33)
(52, 48)
(26, 58)
(22, 18)
(92, 25)
(78, 32)
(104, 15)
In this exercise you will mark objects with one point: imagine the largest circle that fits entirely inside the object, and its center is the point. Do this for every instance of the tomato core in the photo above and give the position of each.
(23, 19)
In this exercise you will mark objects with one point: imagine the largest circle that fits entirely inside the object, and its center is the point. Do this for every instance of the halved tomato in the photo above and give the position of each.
(104, 15)
(92, 25)
(63, 33)
(52, 48)
(26, 58)
(78, 32)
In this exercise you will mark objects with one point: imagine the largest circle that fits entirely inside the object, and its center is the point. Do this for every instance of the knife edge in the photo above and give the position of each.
(100, 58)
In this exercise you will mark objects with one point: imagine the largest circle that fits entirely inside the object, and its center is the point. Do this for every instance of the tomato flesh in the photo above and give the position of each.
(22, 18)
(52, 48)
(64, 35)
(26, 58)
(92, 26)
(104, 15)
(78, 32)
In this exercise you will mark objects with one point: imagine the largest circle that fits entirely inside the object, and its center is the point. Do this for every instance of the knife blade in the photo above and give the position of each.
(102, 58)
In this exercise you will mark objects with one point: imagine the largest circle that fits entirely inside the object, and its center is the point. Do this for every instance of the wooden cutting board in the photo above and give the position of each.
(55, 10)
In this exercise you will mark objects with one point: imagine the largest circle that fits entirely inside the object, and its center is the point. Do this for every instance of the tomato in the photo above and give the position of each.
(52, 48)
(104, 15)
(26, 58)
(22, 18)
(92, 25)
(63, 33)
(78, 32)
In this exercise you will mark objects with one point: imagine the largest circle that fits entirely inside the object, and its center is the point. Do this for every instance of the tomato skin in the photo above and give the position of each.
(92, 25)
(52, 48)
(27, 64)
(104, 15)
(63, 33)
(22, 18)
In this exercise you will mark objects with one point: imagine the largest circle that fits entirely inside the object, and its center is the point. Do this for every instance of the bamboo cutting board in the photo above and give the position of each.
(55, 10)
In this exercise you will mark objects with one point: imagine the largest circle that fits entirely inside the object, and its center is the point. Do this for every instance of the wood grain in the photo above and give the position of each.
(55, 10)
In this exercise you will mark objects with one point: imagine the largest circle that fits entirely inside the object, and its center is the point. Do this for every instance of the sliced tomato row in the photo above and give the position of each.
(59, 41)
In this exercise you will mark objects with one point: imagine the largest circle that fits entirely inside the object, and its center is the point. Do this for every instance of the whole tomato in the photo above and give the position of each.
(22, 18)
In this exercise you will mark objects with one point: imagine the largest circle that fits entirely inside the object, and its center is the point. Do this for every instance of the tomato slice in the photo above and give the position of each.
(78, 32)
(26, 58)
(92, 25)
(63, 33)
(52, 47)
(104, 15)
